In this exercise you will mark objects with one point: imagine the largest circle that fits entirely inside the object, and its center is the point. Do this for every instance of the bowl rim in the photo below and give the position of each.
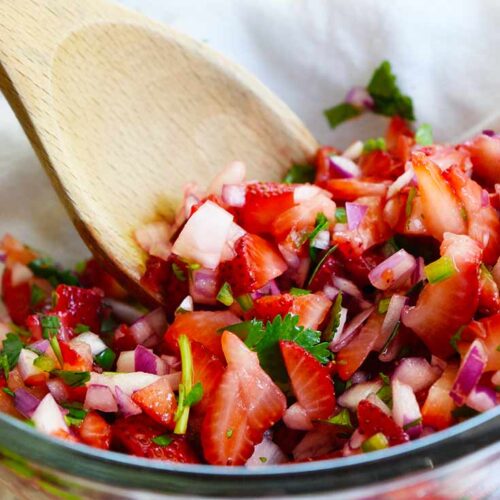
(126, 471)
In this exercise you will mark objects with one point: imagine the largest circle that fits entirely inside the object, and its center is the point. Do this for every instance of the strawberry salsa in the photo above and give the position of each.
(352, 307)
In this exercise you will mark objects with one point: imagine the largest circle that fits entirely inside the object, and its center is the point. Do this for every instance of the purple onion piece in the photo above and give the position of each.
(393, 271)
(343, 168)
(488, 132)
(125, 404)
(360, 98)
(355, 213)
(482, 398)
(40, 345)
(25, 402)
(145, 360)
(100, 397)
(270, 288)
(203, 286)
(416, 373)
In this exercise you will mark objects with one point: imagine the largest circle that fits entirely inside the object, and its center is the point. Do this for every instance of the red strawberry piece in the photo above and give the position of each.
(323, 276)
(208, 370)
(123, 340)
(74, 360)
(373, 229)
(351, 189)
(202, 327)
(94, 275)
(380, 164)
(268, 307)
(445, 306)
(485, 156)
(373, 420)
(488, 330)
(256, 263)
(311, 381)
(264, 201)
(245, 405)
(399, 139)
(322, 162)
(95, 431)
(287, 439)
(158, 401)
(489, 296)
(352, 356)
(17, 299)
(311, 309)
(83, 305)
(135, 435)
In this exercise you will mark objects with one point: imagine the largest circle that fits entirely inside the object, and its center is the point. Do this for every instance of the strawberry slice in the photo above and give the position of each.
(95, 431)
(135, 435)
(322, 162)
(380, 164)
(438, 406)
(264, 201)
(351, 189)
(17, 299)
(488, 330)
(83, 305)
(311, 309)
(485, 156)
(373, 420)
(445, 306)
(351, 357)
(483, 223)
(94, 275)
(256, 263)
(202, 327)
(208, 370)
(441, 209)
(311, 381)
(246, 404)
(268, 307)
(399, 139)
(489, 296)
(158, 401)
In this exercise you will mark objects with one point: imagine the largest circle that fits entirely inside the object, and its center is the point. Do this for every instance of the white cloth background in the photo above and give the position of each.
(309, 52)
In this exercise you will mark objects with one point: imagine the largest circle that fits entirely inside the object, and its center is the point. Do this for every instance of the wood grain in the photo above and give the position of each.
(122, 112)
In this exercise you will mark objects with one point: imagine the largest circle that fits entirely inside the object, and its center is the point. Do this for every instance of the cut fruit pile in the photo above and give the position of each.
(352, 308)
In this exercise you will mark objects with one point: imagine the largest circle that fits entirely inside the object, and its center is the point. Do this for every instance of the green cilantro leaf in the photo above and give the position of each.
(163, 440)
(50, 326)
(423, 136)
(79, 328)
(178, 272)
(195, 395)
(8, 391)
(250, 331)
(45, 268)
(37, 295)
(456, 337)
(72, 378)
(334, 322)
(374, 145)
(298, 292)
(343, 418)
(225, 295)
(341, 113)
(11, 350)
(300, 174)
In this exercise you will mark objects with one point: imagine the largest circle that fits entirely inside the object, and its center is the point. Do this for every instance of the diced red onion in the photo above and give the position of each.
(58, 389)
(416, 373)
(291, 258)
(405, 408)
(360, 98)
(419, 272)
(48, 417)
(355, 213)
(330, 291)
(25, 402)
(20, 274)
(358, 377)
(489, 133)
(267, 452)
(354, 151)
(481, 398)
(376, 401)
(392, 316)
(350, 330)
(100, 397)
(270, 288)
(356, 393)
(232, 173)
(173, 363)
(343, 168)
(296, 417)
(347, 286)
(127, 382)
(203, 287)
(40, 345)
(322, 240)
(123, 311)
(393, 271)
(125, 404)
(145, 360)
(469, 373)
(152, 324)
(234, 194)
(402, 181)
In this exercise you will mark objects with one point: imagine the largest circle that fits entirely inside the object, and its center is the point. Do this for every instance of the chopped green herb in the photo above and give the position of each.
(44, 363)
(387, 97)
(341, 113)
(456, 337)
(391, 337)
(75, 414)
(195, 395)
(45, 268)
(409, 201)
(12, 346)
(8, 391)
(229, 433)
(440, 269)
(263, 459)
(185, 387)
(109, 325)
(298, 292)
(383, 305)
(374, 145)
(376, 442)
(341, 215)
(321, 225)
(178, 272)
(245, 301)
(423, 136)
(50, 326)
(4, 365)
(385, 379)
(300, 174)
(414, 423)
(37, 295)
(334, 321)
(79, 328)
(105, 359)
(163, 440)
(54, 343)
(245, 329)
(225, 295)
(385, 394)
(72, 378)
(320, 263)
(343, 418)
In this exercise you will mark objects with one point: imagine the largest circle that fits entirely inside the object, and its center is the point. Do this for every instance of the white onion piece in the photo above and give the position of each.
(154, 238)
(402, 181)
(25, 364)
(350, 330)
(392, 316)
(296, 417)
(416, 373)
(83, 350)
(470, 372)
(481, 398)
(58, 389)
(356, 393)
(376, 401)
(123, 311)
(267, 452)
(354, 151)
(405, 409)
(187, 305)
(48, 417)
(233, 173)
(343, 167)
(322, 240)
(127, 382)
(234, 195)
(234, 234)
(100, 397)
(126, 362)
(126, 406)
(204, 235)
(95, 342)
(393, 271)
(355, 213)
(347, 286)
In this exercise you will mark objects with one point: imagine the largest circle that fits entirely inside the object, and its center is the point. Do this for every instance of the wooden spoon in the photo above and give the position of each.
(122, 112)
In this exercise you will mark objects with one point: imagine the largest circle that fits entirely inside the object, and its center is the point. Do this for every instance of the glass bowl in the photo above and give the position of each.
(459, 462)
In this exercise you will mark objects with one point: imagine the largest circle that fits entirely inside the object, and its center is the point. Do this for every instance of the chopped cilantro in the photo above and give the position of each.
(178, 272)
(163, 440)
(245, 301)
(383, 305)
(263, 459)
(300, 174)
(54, 343)
(423, 136)
(225, 295)
(72, 378)
(320, 263)
(245, 329)
(75, 414)
(45, 268)
(391, 337)
(385, 394)
(11, 350)
(321, 224)
(456, 337)
(409, 201)
(37, 295)
(195, 395)
(385, 378)
(4, 365)
(298, 292)
(374, 145)
(343, 418)
(334, 321)
(79, 328)
(341, 215)
(8, 391)
(108, 324)
(50, 326)
(340, 113)
(229, 433)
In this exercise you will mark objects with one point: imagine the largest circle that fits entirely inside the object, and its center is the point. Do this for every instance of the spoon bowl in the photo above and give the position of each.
(122, 112)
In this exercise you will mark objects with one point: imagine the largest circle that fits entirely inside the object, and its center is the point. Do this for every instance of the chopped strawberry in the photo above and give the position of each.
(123, 339)
(202, 327)
(94, 275)
(208, 370)
(373, 420)
(311, 309)
(268, 307)
(399, 140)
(488, 330)
(373, 229)
(83, 305)
(350, 357)
(17, 299)
(380, 164)
(489, 296)
(135, 435)
(447, 156)
(264, 201)
(485, 156)
(441, 209)
(445, 306)
(483, 222)
(95, 431)
(322, 161)
(438, 407)
(351, 189)
(7, 405)
(311, 381)
(245, 405)
(256, 263)
(75, 360)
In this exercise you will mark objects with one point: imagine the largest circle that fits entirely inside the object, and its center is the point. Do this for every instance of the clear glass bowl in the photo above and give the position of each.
(460, 462)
